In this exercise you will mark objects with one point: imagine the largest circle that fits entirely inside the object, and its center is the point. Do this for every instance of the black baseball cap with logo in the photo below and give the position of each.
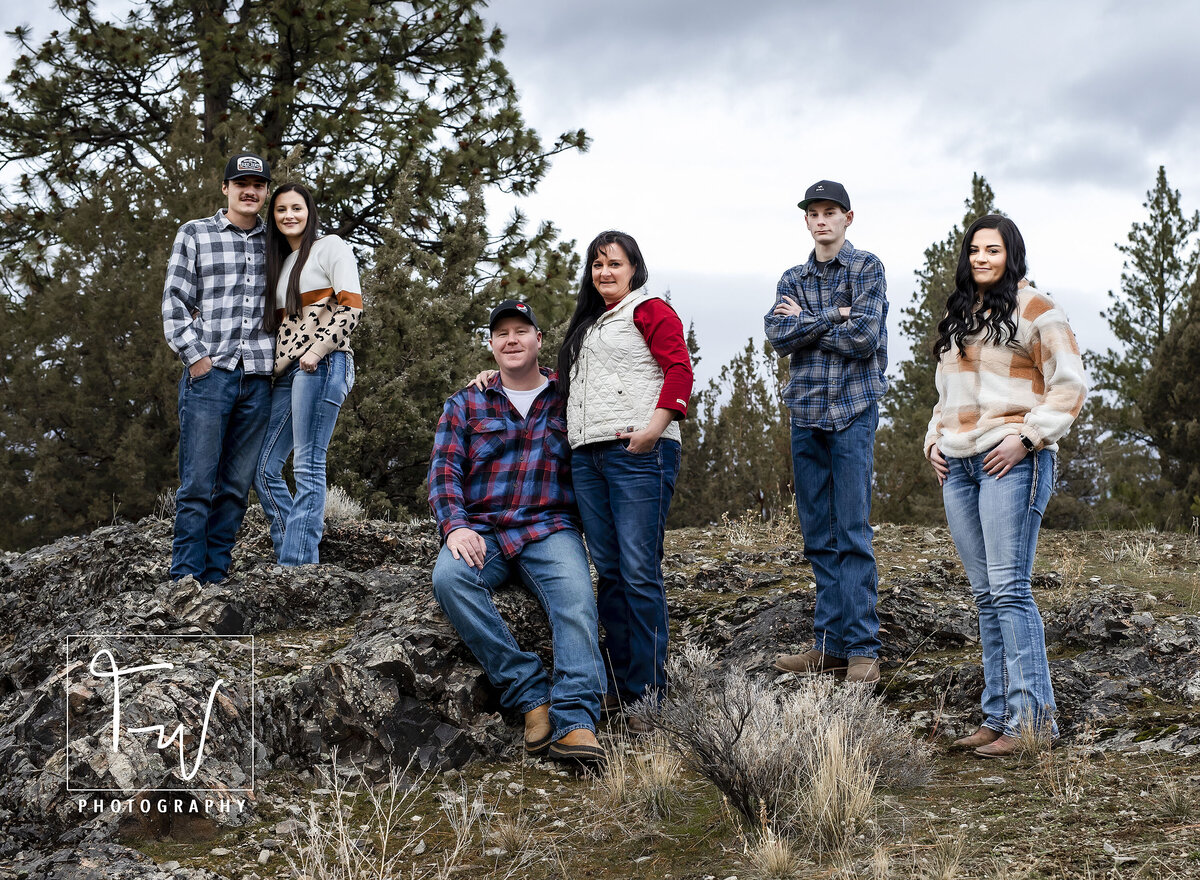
(825, 191)
(247, 165)
(511, 307)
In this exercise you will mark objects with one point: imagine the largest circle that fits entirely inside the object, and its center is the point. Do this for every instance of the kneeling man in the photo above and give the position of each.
(500, 488)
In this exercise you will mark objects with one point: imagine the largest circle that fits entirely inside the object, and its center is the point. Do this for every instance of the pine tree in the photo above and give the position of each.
(905, 487)
(87, 384)
(689, 487)
(417, 345)
(1148, 486)
(744, 450)
(120, 131)
(366, 90)
(1170, 407)
(1161, 259)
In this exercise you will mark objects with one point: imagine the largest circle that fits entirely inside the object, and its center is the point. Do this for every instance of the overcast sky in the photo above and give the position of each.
(708, 120)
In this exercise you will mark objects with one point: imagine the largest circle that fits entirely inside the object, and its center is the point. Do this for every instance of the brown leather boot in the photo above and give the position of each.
(811, 662)
(580, 746)
(537, 730)
(982, 737)
(862, 670)
(1001, 747)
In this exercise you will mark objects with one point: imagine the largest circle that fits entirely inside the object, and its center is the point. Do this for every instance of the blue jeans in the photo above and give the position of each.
(832, 472)
(995, 526)
(304, 410)
(222, 417)
(623, 499)
(555, 570)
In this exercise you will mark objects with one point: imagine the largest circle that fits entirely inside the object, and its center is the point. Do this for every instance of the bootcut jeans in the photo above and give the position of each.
(555, 570)
(304, 411)
(995, 524)
(832, 471)
(222, 417)
(623, 499)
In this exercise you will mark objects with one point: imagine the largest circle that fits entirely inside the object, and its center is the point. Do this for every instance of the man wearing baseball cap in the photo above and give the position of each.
(500, 489)
(830, 315)
(212, 310)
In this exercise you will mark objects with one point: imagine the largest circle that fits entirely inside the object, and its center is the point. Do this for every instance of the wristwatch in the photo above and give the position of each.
(1027, 443)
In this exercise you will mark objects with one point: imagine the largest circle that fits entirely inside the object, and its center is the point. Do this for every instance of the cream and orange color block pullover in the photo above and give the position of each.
(1034, 386)
(330, 300)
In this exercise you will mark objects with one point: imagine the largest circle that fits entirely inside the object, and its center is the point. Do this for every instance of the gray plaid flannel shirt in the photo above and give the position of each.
(213, 300)
(838, 364)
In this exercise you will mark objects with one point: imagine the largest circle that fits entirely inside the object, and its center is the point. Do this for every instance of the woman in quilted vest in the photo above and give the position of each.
(1010, 382)
(314, 302)
(627, 376)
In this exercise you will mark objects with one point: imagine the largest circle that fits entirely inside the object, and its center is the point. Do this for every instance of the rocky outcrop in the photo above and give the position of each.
(355, 656)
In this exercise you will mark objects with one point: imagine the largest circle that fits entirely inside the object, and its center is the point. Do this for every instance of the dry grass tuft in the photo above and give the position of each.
(510, 833)
(1034, 739)
(340, 507)
(1178, 799)
(164, 506)
(1066, 771)
(753, 528)
(945, 860)
(647, 778)
(802, 762)
(333, 846)
(841, 792)
(772, 857)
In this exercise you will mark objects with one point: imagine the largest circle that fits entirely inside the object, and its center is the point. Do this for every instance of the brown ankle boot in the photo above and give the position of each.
(580, 746)
(811, 662)
(863, 670)
(537, 730)
(982, 737)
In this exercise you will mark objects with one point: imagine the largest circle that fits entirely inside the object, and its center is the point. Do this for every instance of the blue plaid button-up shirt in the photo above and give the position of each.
(838, 363)
(212, 302)
(493, 471)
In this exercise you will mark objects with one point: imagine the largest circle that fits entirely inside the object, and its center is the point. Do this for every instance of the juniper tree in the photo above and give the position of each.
(905, 487)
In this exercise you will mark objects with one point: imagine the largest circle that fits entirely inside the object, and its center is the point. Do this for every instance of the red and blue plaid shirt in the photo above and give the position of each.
(493, 471)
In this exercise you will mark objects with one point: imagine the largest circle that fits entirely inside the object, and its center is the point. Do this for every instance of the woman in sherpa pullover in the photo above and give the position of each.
(314, 301)
(1010, 382)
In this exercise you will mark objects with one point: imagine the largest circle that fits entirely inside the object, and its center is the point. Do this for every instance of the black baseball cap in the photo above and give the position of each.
(825, 191)
(513, 307)
(247, 165)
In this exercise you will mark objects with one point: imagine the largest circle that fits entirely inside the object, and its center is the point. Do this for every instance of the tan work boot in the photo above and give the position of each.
(984, 736)
(863, 670)
(811, 662)
(580, 746)
(1001, 747)
(537, 730)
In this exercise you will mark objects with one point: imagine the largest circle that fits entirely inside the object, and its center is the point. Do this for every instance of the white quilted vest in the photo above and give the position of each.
(615, 381)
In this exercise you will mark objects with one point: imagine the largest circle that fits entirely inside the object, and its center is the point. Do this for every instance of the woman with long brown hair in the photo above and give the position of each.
(314, 302)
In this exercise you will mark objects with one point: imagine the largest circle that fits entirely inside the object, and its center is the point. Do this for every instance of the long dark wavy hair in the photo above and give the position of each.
(995, 315)
(590, 304)
(278, 250)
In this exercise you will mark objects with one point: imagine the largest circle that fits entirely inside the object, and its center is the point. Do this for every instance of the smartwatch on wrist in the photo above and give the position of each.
(1027, 443)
